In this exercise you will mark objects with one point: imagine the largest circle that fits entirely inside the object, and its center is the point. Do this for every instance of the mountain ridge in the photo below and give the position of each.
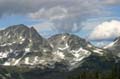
(24, 50)
(31, 41)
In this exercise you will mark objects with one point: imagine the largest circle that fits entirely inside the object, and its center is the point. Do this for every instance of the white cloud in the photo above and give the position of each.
(106, 31)
(68, 15)
(51, 14)
(69, 12)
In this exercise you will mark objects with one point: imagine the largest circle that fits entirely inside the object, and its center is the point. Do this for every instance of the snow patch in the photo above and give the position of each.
(89, 45)
(44, 50)
(27, 60)
(41, 61)
(66, 46)
(63, 38)
(35, 60)
(17, 61)
(6, 64)
(27, 49)
(99, 51)
(59, 54)
(110, 45)
(80, 54)
(7, 44)
(4, 54)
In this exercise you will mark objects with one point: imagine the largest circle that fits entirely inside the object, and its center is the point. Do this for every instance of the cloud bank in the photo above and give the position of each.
(106, 31)
(67, 15)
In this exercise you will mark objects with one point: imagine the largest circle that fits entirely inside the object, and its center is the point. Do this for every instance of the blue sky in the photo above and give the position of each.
(80, 17)
(7, 21)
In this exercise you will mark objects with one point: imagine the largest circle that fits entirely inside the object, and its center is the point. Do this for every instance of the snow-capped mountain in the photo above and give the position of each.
(25, 51)
(21, 45)
(114, 47)
(72, 49)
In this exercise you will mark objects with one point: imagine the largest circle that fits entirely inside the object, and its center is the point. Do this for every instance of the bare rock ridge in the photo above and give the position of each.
(21, 45)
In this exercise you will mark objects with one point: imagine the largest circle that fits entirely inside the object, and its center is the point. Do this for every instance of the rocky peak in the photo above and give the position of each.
(70, 39)
(20, 38)
(70, 48)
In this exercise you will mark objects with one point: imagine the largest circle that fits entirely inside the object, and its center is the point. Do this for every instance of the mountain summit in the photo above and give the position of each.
(18, 44)
(72, 48)
(21, 45)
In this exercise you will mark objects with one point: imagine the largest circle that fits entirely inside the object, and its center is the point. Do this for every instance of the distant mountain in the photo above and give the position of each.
(114, 47)
(24, 54)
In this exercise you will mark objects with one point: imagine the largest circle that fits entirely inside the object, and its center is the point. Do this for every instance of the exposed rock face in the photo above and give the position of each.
(22, 45)
(72, 48)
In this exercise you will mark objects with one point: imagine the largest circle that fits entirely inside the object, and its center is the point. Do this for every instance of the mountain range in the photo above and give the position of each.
(25, 54)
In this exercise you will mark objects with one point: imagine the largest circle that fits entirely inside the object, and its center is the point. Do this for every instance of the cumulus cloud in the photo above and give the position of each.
(106, 31)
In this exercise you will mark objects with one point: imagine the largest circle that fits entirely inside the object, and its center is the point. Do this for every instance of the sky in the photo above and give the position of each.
(98, 21)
